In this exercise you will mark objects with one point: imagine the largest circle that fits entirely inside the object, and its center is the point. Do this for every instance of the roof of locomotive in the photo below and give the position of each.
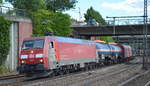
(70, 40)
(62, 39)
(35, 38)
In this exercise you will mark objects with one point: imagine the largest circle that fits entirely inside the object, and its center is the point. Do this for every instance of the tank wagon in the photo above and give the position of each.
(58, 55)
(107, 53)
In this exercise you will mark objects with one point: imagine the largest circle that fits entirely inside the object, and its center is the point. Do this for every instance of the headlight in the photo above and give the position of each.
(24, 56)
(38, 55)
(41, 60)
(23, 61)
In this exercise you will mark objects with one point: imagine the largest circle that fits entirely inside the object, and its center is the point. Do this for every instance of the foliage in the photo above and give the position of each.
(1, 1)
(3, 69)
(4, 39)
(106, 39)
(92, 14)
(29, 5)
(46, 21)
(60, 5)
(52, 5)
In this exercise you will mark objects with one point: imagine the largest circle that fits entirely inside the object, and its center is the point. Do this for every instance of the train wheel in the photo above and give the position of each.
(86, 68)
(61, 72)
(67, 71)
(52, 75)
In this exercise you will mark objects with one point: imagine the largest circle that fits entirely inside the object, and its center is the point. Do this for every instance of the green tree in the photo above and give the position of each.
(60, 5)
(62, 24)
(93, 14)
(4, 39)
(45, 21)
(107, 39)
(1, 1)
(29, 5)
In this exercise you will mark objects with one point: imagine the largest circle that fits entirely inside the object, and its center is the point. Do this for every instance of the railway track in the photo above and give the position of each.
(53, 79)
(95, 77)
(148, 83)
(11, 76)
(85, 78)
(141, 79)
(79, 78)
(9, 80)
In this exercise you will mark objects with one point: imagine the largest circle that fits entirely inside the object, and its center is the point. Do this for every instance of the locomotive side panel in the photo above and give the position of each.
(72, 53)
(69, 51)
(76, 51)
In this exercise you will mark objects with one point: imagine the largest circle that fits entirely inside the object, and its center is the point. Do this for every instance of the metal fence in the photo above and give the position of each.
(13, 11)
(126, 21)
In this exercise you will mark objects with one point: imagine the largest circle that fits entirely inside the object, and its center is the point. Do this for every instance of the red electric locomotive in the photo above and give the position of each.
(55, 54)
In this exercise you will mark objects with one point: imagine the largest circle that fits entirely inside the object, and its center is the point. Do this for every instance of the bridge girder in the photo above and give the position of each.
(108, 30)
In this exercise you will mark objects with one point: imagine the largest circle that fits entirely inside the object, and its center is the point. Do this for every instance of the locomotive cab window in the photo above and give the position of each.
(51, 44)
(33, 44)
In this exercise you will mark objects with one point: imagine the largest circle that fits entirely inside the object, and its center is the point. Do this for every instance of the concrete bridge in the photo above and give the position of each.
(110, 30)
(129, 34)
(131, 39)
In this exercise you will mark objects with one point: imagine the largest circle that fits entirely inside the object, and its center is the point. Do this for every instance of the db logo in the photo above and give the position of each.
(31, 56)
(31, 52)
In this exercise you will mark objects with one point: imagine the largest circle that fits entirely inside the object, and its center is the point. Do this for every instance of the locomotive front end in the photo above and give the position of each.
(31, 59)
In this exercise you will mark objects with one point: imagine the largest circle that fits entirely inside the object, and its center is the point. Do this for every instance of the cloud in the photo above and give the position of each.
(128, 6)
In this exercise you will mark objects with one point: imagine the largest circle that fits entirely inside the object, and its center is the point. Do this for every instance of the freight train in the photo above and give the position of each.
(58, 55)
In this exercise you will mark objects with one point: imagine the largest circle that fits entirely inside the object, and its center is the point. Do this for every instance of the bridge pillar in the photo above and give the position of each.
(11, 61)
(18, 31)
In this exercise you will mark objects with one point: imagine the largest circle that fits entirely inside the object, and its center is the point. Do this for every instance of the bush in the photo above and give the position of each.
(3, 69)
(4, 39)
(107, 39)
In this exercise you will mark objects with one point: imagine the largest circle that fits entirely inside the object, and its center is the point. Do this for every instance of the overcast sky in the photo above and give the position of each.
(110, 8)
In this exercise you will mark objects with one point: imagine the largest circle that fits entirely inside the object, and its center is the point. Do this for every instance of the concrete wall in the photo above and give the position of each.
(20, 29)
(11, 61)
(25, 30)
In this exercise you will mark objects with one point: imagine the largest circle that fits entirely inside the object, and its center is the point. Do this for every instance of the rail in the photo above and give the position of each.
(11, 76)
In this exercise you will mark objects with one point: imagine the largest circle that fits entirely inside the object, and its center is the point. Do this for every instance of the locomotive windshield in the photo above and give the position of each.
(33, 44)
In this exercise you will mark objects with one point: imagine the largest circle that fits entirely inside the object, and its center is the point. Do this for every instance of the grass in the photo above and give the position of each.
(3, 69)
